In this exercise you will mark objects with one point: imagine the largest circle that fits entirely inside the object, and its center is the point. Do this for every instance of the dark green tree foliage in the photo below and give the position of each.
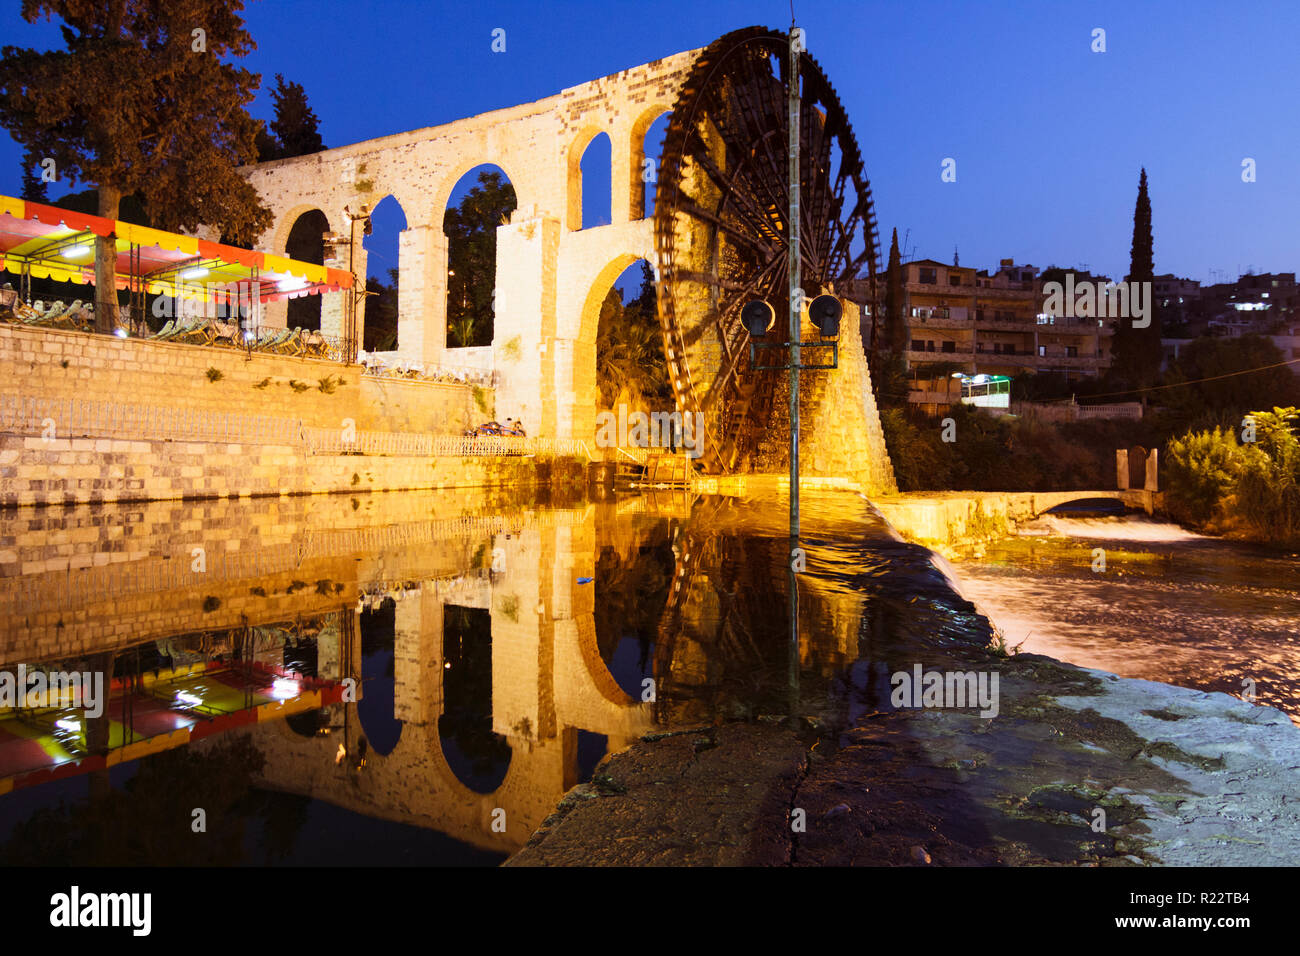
(895, 321)
(381, 314)
(471, 230)
(1137, 351)
(295, 129)
(148, 823)
(630, 363)
(34, 187)
(1227, 399)
(137, 103)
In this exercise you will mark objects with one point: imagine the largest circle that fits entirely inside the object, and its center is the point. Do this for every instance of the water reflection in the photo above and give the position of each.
(431, 664)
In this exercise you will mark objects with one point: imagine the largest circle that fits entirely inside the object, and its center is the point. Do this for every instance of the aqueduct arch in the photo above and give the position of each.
(545, 267)
(543, 349)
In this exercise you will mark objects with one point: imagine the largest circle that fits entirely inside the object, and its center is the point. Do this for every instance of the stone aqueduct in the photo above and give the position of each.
(552, 275)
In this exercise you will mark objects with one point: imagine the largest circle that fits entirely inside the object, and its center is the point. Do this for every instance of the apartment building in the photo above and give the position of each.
(995, 324)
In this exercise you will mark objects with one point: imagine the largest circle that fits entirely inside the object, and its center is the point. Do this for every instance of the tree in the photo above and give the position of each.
(33, 184)
(471, 230)
(140, 101)
(1228, 395)
(381, 314)
(630, 363)
(294, 131)
(895, 322)
(1137, 352)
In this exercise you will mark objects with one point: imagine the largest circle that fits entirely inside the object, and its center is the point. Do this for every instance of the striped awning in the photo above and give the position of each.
(49, 242)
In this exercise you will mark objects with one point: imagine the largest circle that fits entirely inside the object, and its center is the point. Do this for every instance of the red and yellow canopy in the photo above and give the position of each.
(54, 243)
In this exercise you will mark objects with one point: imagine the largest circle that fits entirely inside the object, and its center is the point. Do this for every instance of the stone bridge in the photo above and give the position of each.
(940, 518)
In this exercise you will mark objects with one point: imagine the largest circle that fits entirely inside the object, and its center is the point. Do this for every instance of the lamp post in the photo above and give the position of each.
(759, 318)
(350, 343)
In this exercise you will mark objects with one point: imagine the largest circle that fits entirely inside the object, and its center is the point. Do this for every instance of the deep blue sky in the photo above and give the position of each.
(1048, 136)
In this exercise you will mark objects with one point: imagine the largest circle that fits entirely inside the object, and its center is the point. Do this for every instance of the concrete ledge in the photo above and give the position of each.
(944, 519)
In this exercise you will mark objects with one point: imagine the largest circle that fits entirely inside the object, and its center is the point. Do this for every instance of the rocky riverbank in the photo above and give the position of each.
(1182, 777)
(1073, 766)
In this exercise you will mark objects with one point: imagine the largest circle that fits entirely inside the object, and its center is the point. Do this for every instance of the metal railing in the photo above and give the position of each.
(438, 374)
(340, 441)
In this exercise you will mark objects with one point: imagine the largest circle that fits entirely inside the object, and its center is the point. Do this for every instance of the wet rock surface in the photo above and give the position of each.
(1070, 772)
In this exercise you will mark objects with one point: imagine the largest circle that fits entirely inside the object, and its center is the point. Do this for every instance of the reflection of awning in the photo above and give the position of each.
(54, 243)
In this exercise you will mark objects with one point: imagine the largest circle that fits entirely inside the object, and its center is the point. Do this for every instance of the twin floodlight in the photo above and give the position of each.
(824, 312)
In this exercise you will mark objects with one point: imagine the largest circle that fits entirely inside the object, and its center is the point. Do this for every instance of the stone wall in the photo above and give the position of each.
(36, 471)
(840, 433)
(58, 364)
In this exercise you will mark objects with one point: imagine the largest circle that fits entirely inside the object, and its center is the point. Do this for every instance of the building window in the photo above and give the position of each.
(1042, 351)
(928, 276)
(918, 345)
(950, 346)
(1072, 351)
(954, 278)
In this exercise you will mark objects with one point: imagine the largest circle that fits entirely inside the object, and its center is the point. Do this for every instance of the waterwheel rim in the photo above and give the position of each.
(721, 207)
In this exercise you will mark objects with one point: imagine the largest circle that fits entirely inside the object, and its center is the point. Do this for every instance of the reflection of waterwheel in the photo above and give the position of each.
(720, 225)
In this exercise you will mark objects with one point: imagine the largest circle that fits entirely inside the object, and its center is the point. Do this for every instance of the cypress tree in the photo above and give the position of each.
(1137, 351)
(895, 323)
(295, 125)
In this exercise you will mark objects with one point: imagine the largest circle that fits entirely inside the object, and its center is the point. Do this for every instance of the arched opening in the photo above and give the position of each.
(647, 147)
(481, 201)
(632, 587)
(478, 757)
(387, 222)
(306, 243)
(377, 706)
(594, 184)
(631, 370)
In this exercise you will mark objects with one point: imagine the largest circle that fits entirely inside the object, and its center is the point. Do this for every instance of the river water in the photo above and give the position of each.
(418, 678)
(415, 678)
(1167, 605)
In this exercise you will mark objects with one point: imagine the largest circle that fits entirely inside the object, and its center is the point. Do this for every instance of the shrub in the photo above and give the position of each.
(1268, 483)
(1200, 471)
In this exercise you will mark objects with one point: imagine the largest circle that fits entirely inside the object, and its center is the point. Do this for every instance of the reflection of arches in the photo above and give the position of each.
(306, 243)
(376, 710)
(479, 758)
(643, 145)
(601, 678)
